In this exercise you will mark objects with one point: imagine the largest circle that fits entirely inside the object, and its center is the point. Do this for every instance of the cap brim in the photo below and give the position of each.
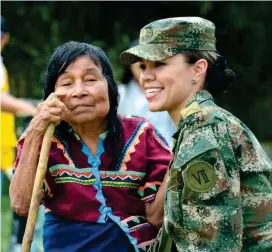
(153, 52)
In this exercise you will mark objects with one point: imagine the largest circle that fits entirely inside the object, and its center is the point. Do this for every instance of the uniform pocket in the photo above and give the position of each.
(173, 207)
(173, 197)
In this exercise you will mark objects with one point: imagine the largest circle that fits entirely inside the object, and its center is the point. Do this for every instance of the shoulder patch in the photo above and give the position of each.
(191, 109)
(200, 176)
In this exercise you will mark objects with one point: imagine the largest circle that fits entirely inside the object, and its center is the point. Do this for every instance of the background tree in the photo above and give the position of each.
(243, 31)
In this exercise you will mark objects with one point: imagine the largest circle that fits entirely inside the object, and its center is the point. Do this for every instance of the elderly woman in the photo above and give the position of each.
(104, 185)
(219, 197)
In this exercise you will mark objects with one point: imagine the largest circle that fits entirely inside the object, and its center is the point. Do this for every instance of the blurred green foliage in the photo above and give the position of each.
(243, 36)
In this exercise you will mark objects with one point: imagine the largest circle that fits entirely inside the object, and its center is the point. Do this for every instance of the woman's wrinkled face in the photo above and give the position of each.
(84, 90)
(167, 83)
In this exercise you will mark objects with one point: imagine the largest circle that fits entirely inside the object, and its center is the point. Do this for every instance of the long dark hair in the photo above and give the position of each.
(219, 76)
(62, 57)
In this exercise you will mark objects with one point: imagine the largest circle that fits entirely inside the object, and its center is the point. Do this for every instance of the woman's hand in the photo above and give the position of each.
(49, 111)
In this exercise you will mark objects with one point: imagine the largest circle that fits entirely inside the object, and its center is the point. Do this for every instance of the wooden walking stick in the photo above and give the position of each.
(38, 183)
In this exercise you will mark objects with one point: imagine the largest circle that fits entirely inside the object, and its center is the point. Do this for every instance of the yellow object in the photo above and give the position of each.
(7, 157)
(191, 109)
(8, 136)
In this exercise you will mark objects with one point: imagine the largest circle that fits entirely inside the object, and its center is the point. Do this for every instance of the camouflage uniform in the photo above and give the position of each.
(218, 193)
(218, 197)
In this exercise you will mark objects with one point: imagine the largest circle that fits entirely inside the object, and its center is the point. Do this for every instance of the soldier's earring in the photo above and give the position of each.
(193, 80)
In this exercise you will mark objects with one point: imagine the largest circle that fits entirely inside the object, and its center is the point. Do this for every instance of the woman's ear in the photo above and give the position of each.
(200, 69)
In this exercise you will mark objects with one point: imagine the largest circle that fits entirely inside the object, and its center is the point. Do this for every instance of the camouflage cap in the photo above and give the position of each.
(167, 37)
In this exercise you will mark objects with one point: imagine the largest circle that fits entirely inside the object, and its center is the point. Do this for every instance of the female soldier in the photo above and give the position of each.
(103, 189)
(218, 197)
(133, 102)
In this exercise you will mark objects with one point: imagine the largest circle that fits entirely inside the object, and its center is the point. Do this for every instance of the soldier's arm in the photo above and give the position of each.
(256, 193)
(207, 213)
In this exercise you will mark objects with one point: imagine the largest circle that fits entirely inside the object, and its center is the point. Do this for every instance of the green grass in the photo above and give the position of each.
(6, 216)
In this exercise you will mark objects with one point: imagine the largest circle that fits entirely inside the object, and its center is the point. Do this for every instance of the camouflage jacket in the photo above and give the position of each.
(219, 197)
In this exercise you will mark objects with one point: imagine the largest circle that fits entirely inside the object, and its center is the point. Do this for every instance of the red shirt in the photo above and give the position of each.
(84, 187)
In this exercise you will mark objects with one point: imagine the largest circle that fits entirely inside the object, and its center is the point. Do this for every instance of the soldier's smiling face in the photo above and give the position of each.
(167, 83)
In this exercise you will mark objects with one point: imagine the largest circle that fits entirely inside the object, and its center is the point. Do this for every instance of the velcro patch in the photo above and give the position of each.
(175, 179)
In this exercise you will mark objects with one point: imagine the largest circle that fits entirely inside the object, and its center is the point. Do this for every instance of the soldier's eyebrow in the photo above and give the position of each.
(159, 61)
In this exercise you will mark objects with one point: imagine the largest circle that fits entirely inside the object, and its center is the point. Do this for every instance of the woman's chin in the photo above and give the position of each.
(155, 107)
(82, 118)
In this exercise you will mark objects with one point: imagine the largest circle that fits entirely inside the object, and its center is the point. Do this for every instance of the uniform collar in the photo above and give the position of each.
(199, 97)
(192, 107)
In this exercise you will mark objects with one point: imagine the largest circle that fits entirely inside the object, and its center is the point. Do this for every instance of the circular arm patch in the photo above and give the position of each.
(200, 176)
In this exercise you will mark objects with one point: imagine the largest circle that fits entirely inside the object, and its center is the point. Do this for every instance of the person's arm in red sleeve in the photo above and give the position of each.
(21, 186)
(153, 191)
(25, 169)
